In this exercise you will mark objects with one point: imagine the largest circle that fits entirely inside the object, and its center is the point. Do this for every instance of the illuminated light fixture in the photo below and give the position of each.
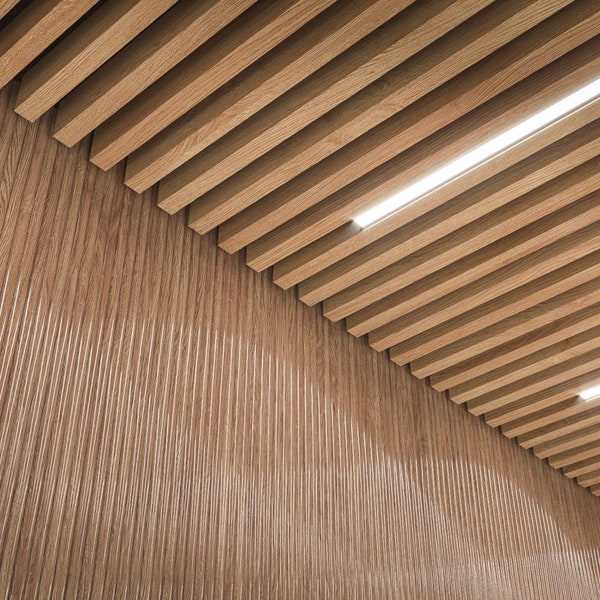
(480, 154)
(590, 393)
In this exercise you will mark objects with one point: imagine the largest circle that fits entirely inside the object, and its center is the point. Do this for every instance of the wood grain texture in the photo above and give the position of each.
(90, 45)
(149, 56)
(387, 47)
(262, 27)
(173, 425)
(6, 6)
(33, 30)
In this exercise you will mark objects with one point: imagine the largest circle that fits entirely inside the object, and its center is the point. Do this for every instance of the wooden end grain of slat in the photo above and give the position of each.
(268, 207)
(91, 44)
(33, 30)
(149, 56)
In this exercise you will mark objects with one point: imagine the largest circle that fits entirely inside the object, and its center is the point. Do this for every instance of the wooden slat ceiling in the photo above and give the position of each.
(277, 122)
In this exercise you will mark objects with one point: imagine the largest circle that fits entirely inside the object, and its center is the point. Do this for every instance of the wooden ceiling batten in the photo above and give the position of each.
(278, 122)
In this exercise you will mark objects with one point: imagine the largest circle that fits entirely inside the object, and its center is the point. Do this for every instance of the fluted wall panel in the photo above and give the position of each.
(173, 425)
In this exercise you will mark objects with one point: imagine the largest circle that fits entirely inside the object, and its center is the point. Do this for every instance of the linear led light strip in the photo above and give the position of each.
(471, 159)
(590, 393)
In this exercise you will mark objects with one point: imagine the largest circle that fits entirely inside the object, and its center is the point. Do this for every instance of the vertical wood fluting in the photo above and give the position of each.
(174, 425)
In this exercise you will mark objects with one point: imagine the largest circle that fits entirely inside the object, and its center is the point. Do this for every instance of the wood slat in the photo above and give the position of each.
(589, 480)
(567, 441)
(570, 457)
(403, 286)
(545, 417)
(149, 56)
(570, 421)
(387, 47)
(33, 30)
(534, 293)
(518, 349)
(517, 370)
(476, 85)
(497, 286)
(6, 6)
(263, 26)
(327, 36)
(462, 47)
(583, 467)
(90, 45)
(504, 398)
(530, 405)
(406, 169)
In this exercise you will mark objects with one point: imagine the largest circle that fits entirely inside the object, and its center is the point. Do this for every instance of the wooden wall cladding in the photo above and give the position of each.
(173, 425)
(277, 123)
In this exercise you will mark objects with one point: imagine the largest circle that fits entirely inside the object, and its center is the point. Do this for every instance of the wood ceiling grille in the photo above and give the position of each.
(279, 122)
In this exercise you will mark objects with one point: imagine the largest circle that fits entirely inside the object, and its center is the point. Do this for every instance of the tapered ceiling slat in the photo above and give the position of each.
(150, 55)
(390, 45)
(32, 31)
(537, 291)
(463, 46)
(324, 38)
(243, 42)
(581, 435)
(514, 372)
(517, 349)
(90, 45)
(343, 206)
(404, 286)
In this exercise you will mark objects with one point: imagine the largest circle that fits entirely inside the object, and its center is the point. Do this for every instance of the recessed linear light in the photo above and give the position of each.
(590, 393)
(488, 149)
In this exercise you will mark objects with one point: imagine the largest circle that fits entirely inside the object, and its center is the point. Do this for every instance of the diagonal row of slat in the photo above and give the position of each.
(278, 122)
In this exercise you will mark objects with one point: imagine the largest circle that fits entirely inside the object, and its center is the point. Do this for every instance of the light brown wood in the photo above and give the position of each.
(502, 399)
(516, 350)
(526, 273)
(348, 203)
(6, 6)
(206, 70)
(564, 350)
(583, 467)
(173, 425)
(537, 291)
(327, 36)
(390, 45)
(509, 329)
(33, 30)
(570, 457)
(590, 479)
(545, 417)
(404, 286)
(90, 45)
(462, 47)
(149, 56)
(580, 436)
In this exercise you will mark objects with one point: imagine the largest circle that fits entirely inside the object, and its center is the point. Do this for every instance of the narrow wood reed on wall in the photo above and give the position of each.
(174, 425)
